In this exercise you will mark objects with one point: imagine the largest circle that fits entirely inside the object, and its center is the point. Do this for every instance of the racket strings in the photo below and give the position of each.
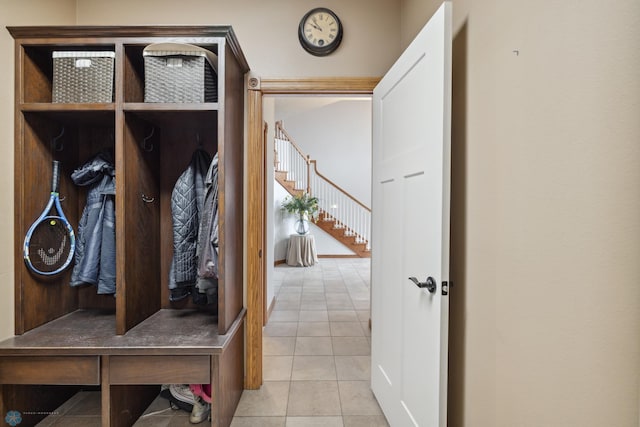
(53, 257)
(50, 245)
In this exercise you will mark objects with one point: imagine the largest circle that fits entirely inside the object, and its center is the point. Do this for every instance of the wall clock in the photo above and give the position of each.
(320, 31)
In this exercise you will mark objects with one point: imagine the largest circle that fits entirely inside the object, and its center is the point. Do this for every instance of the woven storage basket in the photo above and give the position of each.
(175, 72)
(83, 77)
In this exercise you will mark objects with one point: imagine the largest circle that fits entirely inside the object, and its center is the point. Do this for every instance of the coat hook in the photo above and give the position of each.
(198, 140)
(54, 143)
(148, 148)
(147, 199)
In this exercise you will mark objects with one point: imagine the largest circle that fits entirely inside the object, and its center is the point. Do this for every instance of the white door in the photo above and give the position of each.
(410, 235)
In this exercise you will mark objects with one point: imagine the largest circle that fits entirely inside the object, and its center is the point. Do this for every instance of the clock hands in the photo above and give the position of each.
(315, 25)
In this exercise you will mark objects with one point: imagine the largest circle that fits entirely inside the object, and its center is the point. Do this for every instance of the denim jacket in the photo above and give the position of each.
(95, 258)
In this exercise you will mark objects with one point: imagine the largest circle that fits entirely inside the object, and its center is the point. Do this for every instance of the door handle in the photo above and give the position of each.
(430, 284)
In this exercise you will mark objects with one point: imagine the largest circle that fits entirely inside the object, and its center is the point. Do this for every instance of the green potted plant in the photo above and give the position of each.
(305, 207)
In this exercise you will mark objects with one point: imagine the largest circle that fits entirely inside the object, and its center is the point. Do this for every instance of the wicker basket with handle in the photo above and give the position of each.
(176, 72)
(83, 77)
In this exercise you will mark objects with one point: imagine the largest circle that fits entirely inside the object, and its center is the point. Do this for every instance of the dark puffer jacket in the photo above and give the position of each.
(207, 283)
(187, 200)
(95, 258)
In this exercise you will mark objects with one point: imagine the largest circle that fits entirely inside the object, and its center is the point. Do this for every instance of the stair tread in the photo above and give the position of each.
(325, 223)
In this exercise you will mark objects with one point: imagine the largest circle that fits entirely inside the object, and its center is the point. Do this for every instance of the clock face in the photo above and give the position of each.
(320, 31)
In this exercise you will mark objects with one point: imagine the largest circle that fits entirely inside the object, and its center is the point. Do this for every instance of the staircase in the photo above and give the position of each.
(341, 215)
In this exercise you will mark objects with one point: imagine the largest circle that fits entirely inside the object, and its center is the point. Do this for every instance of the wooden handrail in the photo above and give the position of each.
(315, 168)
(280, 129)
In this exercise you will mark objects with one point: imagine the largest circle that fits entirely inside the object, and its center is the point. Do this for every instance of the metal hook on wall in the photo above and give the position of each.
(149, 147)
(54, 142)
(147, 199)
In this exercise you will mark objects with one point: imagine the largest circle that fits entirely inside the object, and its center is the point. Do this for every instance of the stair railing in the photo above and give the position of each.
(289, 158)
(349, 214)
(336, 204)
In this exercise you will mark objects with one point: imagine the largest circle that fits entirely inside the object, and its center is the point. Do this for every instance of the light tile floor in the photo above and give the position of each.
(317, 357)
(317, 351)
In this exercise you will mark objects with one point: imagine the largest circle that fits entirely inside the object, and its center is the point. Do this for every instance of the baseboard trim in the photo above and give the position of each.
(284, 261)
(270, 309)
(338, 256)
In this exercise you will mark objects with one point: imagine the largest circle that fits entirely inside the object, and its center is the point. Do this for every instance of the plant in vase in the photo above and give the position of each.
(305, 207)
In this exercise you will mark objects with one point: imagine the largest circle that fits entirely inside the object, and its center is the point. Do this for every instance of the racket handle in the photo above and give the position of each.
(55, 176)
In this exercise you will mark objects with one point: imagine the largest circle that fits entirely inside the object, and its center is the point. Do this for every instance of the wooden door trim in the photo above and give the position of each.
(324, 86)
(255, 249)
(256, 252)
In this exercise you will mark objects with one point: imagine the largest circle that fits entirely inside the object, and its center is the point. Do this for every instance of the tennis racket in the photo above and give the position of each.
(50, 242)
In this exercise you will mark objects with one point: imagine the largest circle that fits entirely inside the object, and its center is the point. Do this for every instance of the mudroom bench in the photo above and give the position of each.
(46, 366)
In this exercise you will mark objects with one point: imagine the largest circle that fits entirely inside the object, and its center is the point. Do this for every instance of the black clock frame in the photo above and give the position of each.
(320, 50)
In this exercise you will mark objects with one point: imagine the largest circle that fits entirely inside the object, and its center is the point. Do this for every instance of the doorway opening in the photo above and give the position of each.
(310, 137)
(260, 254)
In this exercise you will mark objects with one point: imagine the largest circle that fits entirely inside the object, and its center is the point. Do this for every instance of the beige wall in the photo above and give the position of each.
(23, 12)
(545, 316)
(546, 209)
(267, 30)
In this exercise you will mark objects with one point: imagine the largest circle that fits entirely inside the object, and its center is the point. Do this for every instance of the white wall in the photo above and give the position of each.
(337, 133)
(327, 245)
(282, 224)
(270, 211)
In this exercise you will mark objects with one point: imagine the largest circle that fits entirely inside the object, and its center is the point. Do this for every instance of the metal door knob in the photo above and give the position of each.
(430, 284)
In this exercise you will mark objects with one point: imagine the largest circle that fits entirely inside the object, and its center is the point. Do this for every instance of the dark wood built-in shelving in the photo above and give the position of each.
(71, 337)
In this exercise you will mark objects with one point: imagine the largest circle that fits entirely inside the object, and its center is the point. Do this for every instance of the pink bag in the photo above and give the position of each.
(202, 390)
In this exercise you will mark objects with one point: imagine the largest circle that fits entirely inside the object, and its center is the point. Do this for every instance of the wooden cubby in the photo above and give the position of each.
(103, 340)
